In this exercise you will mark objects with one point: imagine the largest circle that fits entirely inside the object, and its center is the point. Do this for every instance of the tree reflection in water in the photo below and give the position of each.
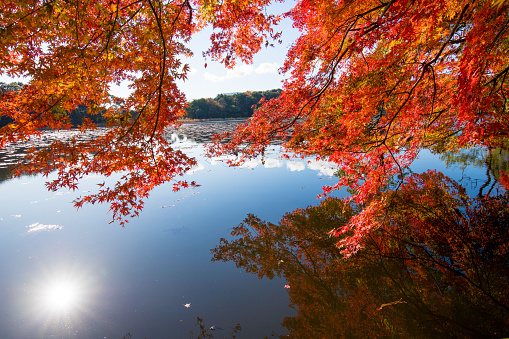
(437, 267)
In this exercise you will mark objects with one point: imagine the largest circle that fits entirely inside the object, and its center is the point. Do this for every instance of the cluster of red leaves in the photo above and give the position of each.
(369, 84)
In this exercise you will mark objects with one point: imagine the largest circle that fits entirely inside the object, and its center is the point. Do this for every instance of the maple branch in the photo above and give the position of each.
(351, 28)
(407, 293)
(96, 37)
(502, 91)
(76, 24)
(397, 163)
(110, 33)
(316, 274)
(464, 276)
(337, 59)
(38, 115)
(154, 159)
(499, 34)
(382, 255)
(364, 58)
(46, 4)
(488, 170)
(316, 97)
(494, 79)
(188, 5)
(409, 95)
(162, 68)
(451, 34)
(457, 41)
(387, 6)
(434, 93)
(357, 16)
(438, 114)
(425, 66)
(138, 116)
(446, 224)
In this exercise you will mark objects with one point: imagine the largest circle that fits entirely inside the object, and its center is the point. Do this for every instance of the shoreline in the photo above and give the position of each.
(212, 120)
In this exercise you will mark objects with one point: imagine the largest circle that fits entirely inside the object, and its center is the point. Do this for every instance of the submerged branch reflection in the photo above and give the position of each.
(437, 267)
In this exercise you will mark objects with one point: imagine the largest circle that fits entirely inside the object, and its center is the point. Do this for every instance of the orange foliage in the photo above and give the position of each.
(369, 84)
(372, 83)
(72, 51)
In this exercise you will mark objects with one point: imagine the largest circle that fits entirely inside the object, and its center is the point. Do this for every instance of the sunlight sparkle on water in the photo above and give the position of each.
(60, 301)
(62, 295)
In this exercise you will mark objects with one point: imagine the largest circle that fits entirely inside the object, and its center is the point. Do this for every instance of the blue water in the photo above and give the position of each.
(140, 278)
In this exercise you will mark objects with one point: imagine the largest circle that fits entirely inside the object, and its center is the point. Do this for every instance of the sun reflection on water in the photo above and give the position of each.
(62, 301)
(62, 295)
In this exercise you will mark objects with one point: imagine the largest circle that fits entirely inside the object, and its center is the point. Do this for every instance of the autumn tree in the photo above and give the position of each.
(236, 105)
(72, 51)
(371, 83)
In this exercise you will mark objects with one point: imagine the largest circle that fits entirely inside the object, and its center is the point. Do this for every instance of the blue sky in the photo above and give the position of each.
(208, 82)
(261, 75)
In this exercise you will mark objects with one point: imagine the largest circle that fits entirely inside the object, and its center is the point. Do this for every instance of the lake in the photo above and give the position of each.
(71, 274)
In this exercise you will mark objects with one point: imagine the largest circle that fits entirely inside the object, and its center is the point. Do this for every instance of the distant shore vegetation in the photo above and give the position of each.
(236, 105)
(223, 106)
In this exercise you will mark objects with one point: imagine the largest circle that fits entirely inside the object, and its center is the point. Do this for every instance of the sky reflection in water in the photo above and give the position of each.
(138, 279)
(154, 277)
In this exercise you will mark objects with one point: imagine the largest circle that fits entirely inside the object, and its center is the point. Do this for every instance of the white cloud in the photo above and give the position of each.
(296, 166)
(253, 163)
(196, 168)
(267, 68)
(271, 163)
(323, 167)
(35, 227)
(243, 71)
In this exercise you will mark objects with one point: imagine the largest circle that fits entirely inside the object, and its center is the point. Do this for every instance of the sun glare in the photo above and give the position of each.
(61, 296)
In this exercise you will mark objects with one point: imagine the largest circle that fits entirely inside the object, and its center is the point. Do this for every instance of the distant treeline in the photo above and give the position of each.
(237, 105)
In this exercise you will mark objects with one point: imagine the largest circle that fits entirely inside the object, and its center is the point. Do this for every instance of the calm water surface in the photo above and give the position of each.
(71, 274)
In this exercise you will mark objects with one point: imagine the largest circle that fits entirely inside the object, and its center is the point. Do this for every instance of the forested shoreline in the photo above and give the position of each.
(237, 105)
(223, 106)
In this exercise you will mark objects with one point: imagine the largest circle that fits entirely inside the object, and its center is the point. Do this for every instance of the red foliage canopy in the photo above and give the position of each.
(369, 84)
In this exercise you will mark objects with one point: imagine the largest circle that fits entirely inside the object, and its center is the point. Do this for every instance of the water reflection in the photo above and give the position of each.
(438, 266)
(493, 161)
(37, 227)
(57, 302)
(143, 276)
(186, 137)
(62, 295)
